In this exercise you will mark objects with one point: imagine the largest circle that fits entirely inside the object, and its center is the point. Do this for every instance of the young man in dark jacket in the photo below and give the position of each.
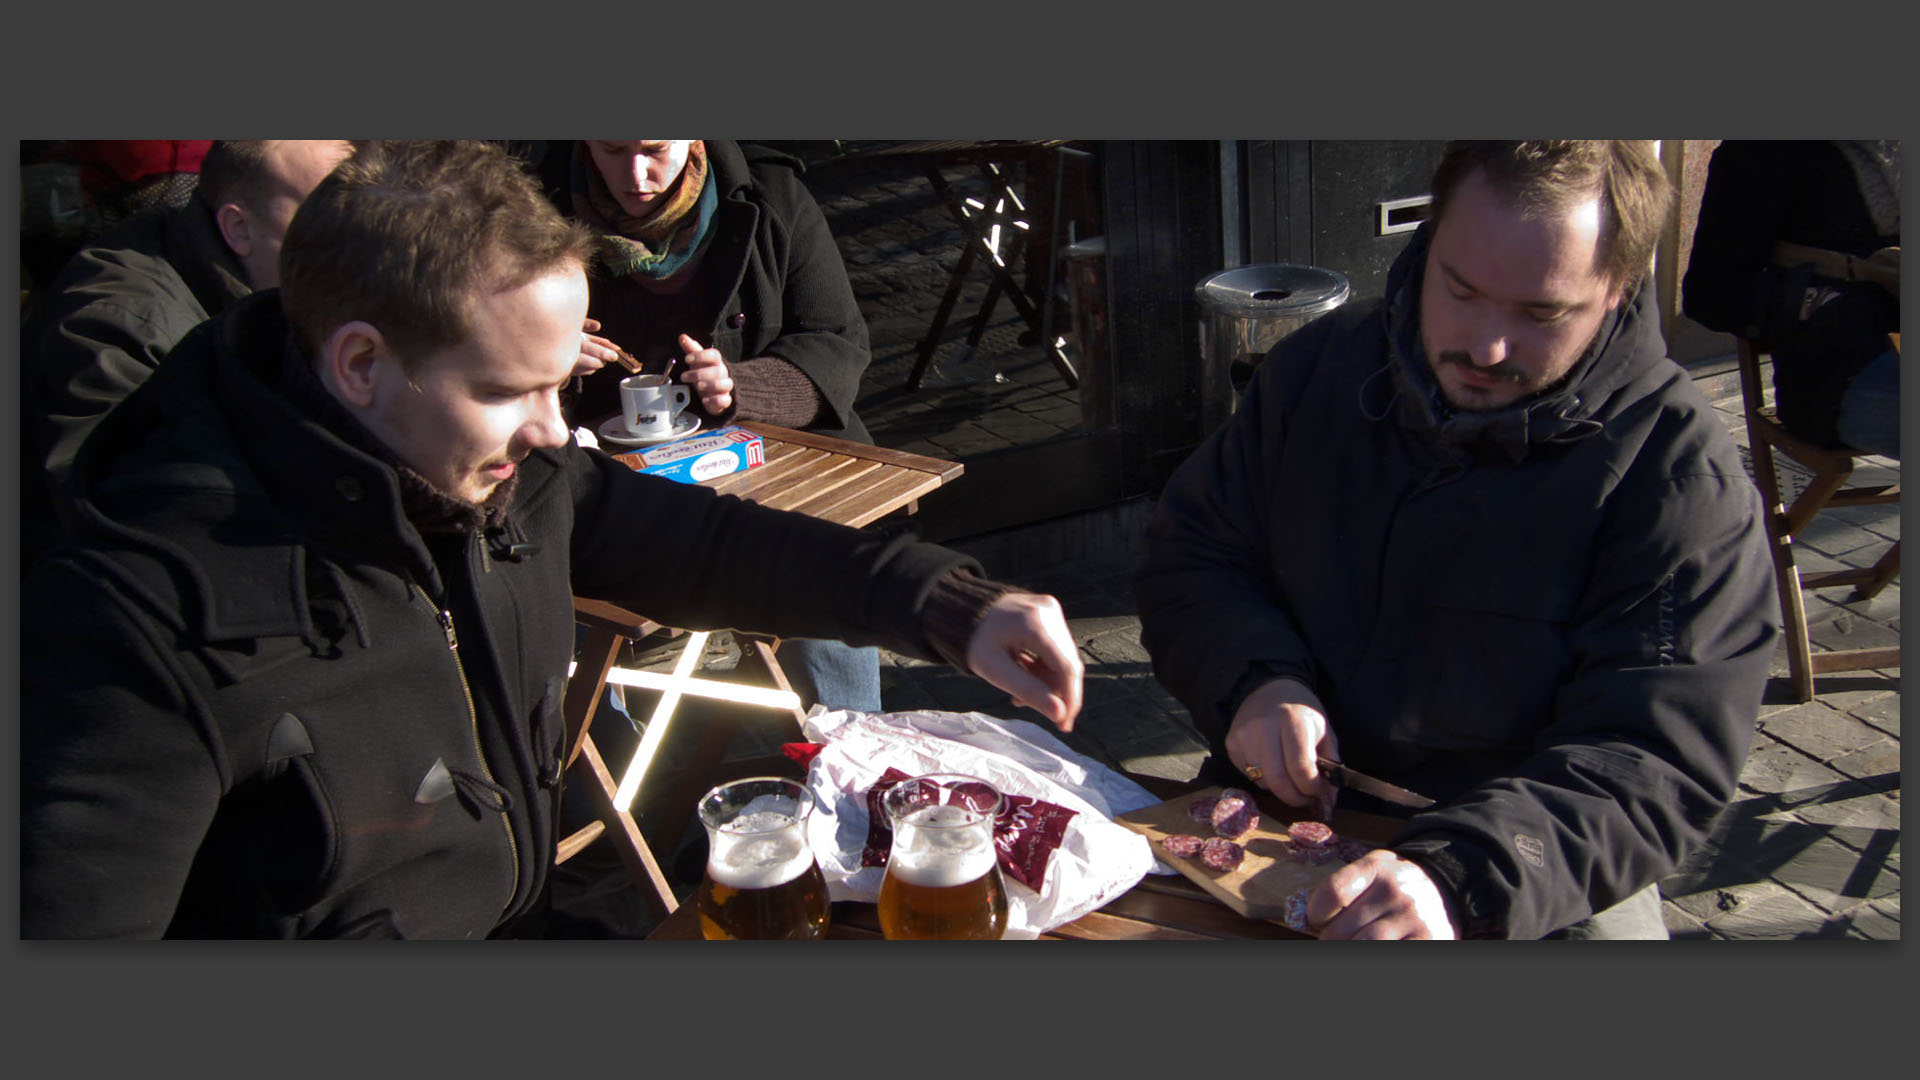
(108, 320)
(300, 671)
(1483, 540)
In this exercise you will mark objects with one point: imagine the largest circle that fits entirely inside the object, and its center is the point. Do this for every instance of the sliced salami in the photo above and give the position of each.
(1182, 844)
(1221, 854)
(1201, 810)
(1234, 818)
(1310, 834)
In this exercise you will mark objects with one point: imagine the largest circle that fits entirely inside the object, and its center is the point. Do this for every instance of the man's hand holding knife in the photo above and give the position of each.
(1280, 739)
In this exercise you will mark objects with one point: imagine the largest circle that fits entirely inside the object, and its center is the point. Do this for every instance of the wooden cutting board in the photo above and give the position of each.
(1258, 888)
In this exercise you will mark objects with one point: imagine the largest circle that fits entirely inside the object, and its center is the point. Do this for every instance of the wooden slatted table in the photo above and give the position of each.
(833, 479)
(1159, 908)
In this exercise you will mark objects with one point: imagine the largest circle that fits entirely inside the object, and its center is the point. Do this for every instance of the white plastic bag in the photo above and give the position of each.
(1096, 861)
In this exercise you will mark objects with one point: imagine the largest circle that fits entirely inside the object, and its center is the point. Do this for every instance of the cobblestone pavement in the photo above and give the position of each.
(901, 246)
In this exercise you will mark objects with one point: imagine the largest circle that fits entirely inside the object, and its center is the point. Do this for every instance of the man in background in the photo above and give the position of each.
(109, 318)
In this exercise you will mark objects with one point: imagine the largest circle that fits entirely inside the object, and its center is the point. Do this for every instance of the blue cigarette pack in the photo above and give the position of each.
(700, 456)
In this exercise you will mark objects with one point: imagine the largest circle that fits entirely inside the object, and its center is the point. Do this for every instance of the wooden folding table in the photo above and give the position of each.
(833, 479)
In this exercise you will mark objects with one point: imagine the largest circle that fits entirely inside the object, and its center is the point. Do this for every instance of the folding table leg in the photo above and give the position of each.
(583, 695)
(635, 854)
(944, 312)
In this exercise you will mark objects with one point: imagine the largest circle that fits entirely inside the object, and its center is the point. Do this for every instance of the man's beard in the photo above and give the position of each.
(1509, 371)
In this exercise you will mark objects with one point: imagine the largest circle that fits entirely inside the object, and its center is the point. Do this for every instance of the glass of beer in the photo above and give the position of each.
(943, 875)
(761, 880)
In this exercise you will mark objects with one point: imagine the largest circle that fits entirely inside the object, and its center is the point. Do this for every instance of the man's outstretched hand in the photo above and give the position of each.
(1023, 646)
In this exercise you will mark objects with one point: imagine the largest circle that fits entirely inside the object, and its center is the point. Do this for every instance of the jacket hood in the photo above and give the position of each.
(1626, 348)
(208, 464)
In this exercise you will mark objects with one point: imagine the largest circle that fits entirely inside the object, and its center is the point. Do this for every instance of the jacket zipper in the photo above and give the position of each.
(445, 617)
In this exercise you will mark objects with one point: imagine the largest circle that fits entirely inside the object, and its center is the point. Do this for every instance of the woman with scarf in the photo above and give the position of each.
(717, 268)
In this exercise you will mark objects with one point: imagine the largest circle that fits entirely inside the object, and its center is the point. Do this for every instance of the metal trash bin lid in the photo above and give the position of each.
(1272, 290)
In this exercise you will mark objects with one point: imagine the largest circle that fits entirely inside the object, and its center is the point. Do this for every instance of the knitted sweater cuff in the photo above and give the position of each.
(953, 610)
(772, 390)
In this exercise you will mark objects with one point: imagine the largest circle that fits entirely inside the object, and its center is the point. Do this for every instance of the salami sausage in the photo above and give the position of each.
(1201, 810)
(1221, 854)
(1234, 817)
(1310, 834)
(1182, 844)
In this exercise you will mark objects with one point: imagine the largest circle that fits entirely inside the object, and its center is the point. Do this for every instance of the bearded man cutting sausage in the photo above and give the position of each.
(1482, 539)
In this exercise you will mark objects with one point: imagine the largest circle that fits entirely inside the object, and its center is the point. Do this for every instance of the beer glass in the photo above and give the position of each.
(761, 880)
(943, 875)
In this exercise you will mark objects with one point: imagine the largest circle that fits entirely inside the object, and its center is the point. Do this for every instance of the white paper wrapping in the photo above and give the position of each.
(1096, 861)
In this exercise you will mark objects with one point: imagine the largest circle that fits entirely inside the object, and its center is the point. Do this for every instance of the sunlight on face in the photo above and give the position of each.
(639, 171)
(1509, 304)
(473, 412)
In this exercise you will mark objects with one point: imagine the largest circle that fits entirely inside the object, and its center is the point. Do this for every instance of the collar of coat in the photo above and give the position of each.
(1626, 347)
(201, 256)
(226, 506)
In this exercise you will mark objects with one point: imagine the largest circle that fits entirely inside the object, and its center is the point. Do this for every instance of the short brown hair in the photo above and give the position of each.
(1552, 174)
(404, 235)
(239, 171)
(233, 171)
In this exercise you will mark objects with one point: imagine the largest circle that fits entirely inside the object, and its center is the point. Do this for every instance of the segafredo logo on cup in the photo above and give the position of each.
(1530, 848)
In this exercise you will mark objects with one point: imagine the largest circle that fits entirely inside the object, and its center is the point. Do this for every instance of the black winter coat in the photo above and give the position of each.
(113, 313)
(104, 323)
(257, 702)
(1556, 619)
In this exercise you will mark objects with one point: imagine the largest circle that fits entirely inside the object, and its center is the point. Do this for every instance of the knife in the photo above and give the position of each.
(1349, 778)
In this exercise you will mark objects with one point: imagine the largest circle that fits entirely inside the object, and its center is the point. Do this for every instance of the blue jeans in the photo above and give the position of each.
(833, 673)
(1870, 411)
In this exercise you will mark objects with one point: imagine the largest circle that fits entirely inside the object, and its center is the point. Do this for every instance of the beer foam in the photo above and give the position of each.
(759, 851)
(946, 855)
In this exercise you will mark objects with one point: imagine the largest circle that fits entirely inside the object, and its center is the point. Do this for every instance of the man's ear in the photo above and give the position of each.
(234, 229)
(351, 360)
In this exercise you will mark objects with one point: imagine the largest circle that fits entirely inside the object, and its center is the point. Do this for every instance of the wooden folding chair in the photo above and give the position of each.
(1829, 488)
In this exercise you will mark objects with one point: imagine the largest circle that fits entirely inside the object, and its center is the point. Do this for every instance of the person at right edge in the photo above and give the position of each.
(1483, 540)
(1798, 249)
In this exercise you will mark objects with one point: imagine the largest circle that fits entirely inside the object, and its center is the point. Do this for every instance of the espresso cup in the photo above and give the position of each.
(651, 404)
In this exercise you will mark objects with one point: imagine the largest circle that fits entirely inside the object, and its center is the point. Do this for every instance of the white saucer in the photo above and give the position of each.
(614, 430)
